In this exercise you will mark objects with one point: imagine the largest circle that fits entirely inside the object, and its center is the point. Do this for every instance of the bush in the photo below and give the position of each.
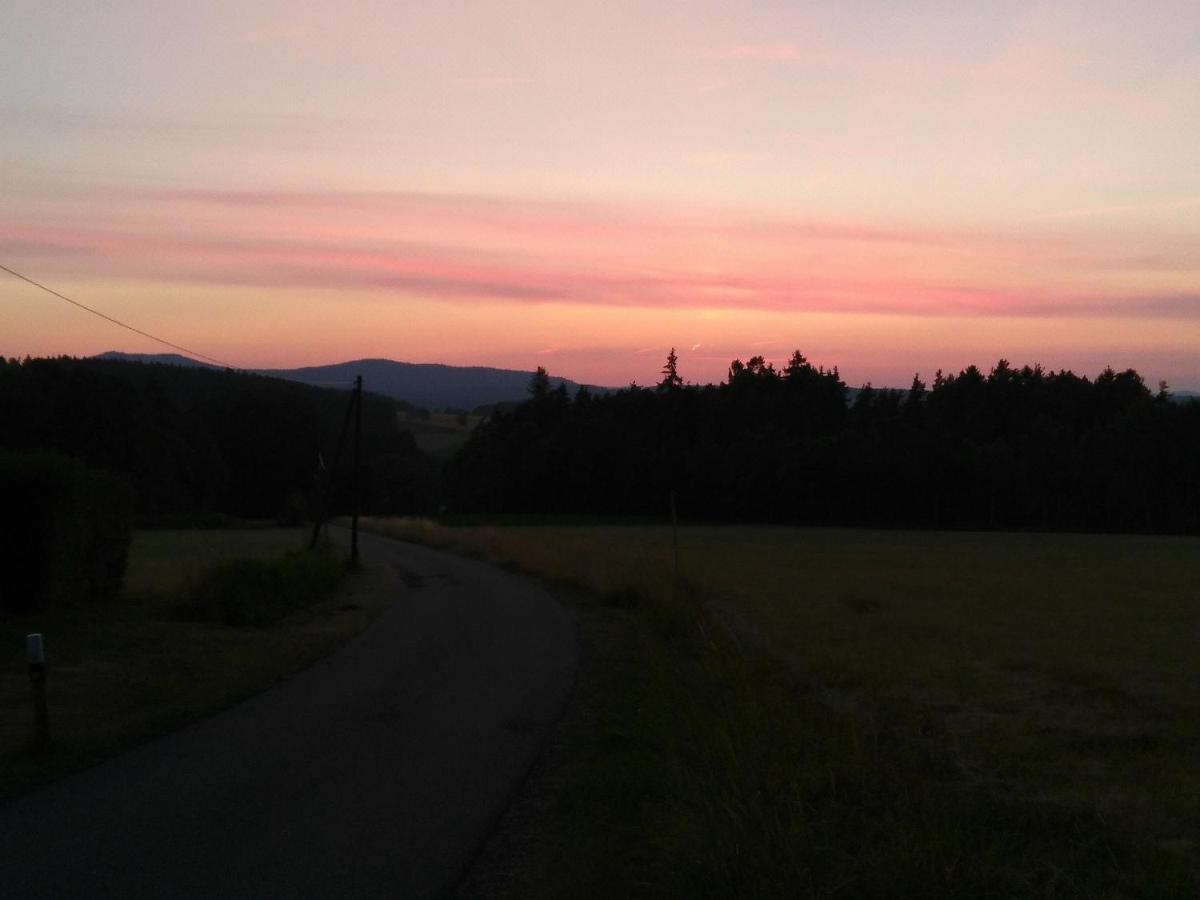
(294, 511)
(261, 592)
(64, 532)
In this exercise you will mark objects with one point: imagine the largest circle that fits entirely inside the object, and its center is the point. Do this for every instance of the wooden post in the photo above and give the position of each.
(330, 473)
(36, 653)
(319, 489)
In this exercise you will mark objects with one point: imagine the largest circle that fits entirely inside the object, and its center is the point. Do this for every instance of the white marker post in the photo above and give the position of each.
(35, 650)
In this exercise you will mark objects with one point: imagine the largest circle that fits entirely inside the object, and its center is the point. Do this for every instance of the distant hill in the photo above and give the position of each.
(427, 385)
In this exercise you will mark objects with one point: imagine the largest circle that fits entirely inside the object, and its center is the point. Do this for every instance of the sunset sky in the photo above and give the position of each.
(889, 187)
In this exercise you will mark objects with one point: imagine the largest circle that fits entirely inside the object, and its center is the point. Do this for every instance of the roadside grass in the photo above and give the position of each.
(864, 713)
(262, 592)
(121, 674)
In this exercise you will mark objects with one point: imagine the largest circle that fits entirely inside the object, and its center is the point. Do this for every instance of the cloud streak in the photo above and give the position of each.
(466, 249)
(1125, 209)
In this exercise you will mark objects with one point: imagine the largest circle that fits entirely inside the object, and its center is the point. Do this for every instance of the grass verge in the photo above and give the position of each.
(867, 714)
(121, 674)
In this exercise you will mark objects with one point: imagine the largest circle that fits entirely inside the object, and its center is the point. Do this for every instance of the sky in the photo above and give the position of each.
(891, 188)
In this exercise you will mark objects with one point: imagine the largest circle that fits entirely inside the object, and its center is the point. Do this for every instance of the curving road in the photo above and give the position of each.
(376, 772)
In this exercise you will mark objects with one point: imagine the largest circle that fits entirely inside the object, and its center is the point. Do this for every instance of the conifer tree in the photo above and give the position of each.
(671, 378)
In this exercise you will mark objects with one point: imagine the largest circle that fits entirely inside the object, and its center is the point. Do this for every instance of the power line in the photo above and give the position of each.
(107, 318)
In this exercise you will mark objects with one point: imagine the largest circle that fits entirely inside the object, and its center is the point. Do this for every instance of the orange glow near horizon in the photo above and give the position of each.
(889, 189)
(299, 279)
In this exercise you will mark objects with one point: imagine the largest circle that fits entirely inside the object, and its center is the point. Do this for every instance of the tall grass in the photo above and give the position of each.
(249, 591)
(121, 674)
(761, 732)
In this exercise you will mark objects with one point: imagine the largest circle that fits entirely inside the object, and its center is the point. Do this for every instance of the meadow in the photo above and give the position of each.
(121, 674)
(441, 434)
(870, 713)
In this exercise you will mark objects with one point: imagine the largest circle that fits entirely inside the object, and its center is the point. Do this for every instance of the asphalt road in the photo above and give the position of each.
(376, 772)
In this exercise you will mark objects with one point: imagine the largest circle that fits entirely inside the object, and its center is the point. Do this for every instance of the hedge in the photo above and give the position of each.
(64, 532)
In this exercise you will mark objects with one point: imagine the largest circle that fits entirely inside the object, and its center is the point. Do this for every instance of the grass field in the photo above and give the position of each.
(440, 435)
(121, 674)
(862, 713)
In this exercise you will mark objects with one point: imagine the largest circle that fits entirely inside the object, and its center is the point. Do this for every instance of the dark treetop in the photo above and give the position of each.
(1012, 448)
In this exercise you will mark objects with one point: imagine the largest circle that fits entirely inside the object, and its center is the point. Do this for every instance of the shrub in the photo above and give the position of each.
(261, 592)
(294, 511)
(64, 532)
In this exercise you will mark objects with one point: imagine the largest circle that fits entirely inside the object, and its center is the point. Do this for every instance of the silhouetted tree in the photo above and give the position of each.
(914, 401)
(670, 372)
(539, 384)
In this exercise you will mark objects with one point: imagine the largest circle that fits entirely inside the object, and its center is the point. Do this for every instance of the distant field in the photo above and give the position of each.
(945, 713)
(118, 675)
(441, 434)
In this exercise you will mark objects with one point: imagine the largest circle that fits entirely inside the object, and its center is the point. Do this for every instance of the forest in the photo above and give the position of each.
(1016, 448)
(195, 441)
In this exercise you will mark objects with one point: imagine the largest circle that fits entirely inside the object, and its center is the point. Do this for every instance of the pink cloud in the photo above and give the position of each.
(468, 249)
(371, 213)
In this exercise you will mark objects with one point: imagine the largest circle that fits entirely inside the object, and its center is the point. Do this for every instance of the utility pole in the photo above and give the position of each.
(354, 491)
(325, 479)
(353, 408)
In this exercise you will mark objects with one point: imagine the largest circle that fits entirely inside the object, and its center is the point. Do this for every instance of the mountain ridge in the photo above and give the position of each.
(428, 385)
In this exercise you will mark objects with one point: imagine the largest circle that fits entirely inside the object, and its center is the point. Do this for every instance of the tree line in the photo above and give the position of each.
(197, 440)
(1023, 448)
